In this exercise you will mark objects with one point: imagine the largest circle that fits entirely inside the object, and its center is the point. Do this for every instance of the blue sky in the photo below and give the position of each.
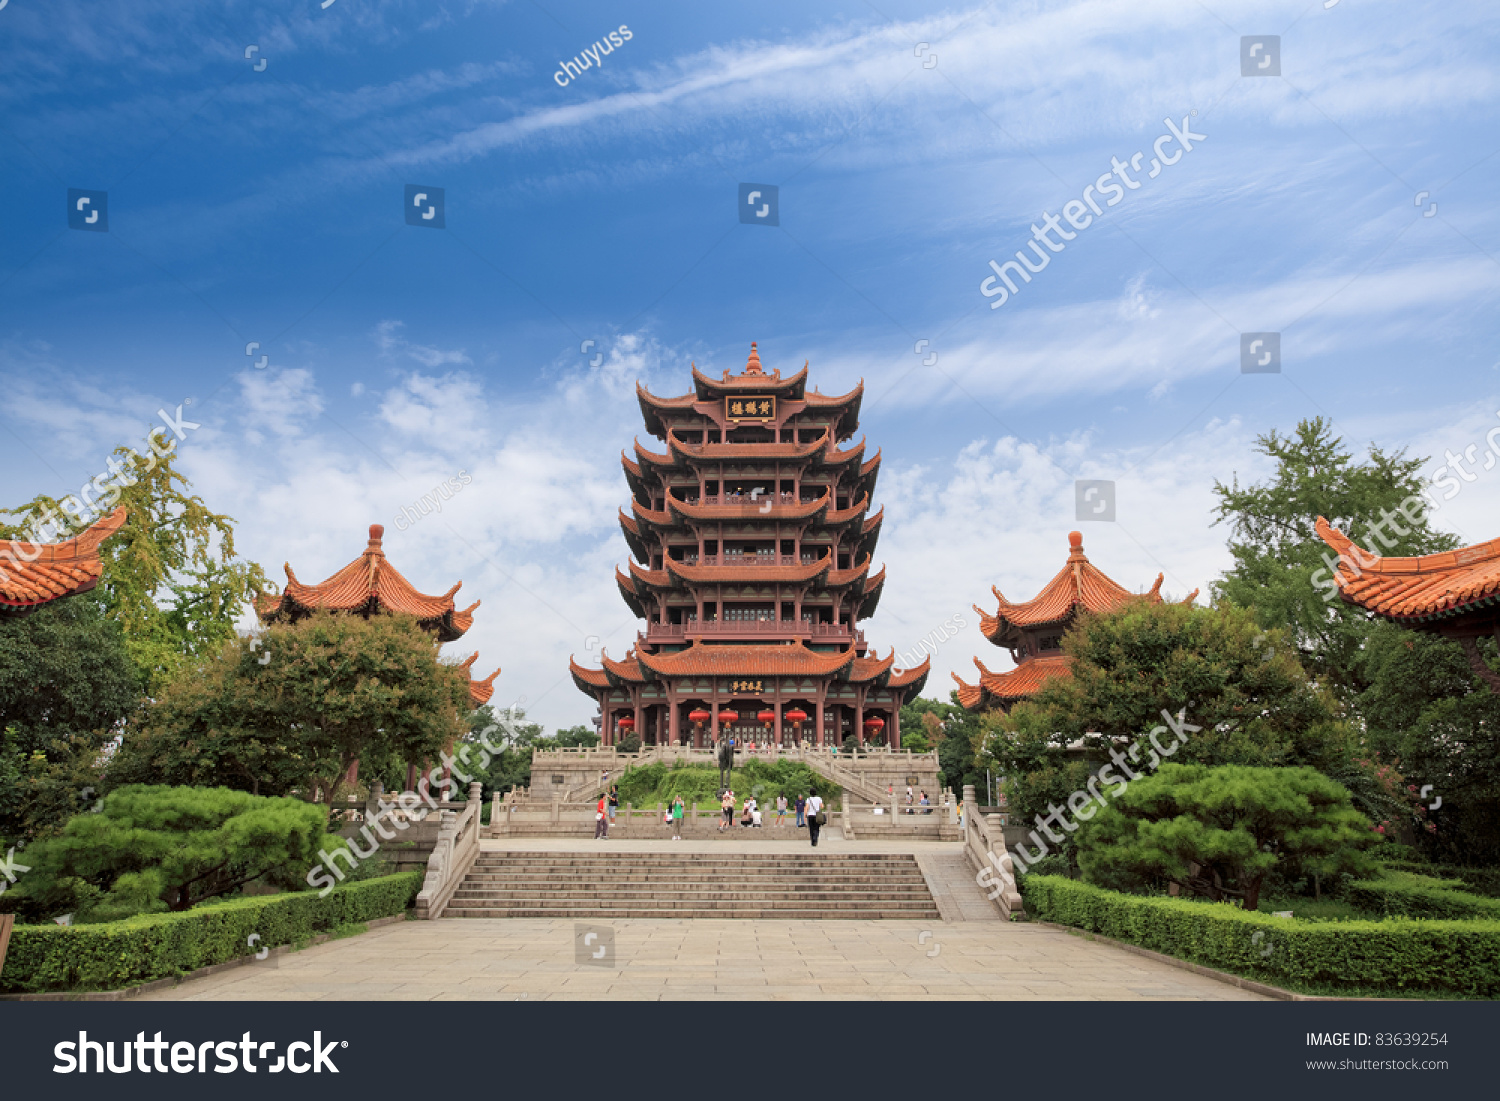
(267, 206)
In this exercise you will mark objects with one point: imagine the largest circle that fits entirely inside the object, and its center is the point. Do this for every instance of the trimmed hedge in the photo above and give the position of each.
(1461, 957)
(1481, 881)
(1405, 894)
(116, 954)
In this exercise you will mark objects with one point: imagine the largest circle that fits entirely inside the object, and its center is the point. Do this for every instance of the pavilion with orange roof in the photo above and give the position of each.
(36, 574)
(753, 568)
(1033, 631)
(370, 585)
(1455, 594)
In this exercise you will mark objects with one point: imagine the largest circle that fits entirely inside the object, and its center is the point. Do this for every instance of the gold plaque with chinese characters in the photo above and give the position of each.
(738, 409)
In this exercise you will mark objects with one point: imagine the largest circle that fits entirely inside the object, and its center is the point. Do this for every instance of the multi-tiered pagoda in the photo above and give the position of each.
(1033, 631)
(753, 545)
(370, 585)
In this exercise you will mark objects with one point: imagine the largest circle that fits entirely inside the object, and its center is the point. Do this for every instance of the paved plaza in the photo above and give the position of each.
(968, 955)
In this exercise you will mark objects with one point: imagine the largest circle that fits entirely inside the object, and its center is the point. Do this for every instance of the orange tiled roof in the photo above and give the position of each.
(914, 677)
(45, 572)
(753, 377)
(770, 506)
(833, 456)
(853, 512)
(1014, 684)
(827, 401)
(719, 452)
(1415, 590)
(1079, 584)
(742, 572)
(700, 659)
(367, 585)
(480, 691)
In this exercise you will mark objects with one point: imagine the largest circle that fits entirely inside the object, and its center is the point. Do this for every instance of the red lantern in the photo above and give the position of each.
(699, 716)
(874, 724)
(628, 723)
(726, 717)
(767, 717)
(796, 715)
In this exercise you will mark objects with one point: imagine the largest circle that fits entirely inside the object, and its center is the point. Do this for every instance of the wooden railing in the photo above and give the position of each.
(453, 855)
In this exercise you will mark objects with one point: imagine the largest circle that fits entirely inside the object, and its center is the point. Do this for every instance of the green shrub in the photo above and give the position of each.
(1461, 957)
(153, 848)
(157, 946)
(654, 784)
(1407, 894)
(1480, 881)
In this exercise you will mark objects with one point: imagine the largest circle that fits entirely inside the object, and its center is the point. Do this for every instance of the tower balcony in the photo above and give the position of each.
(751, 630)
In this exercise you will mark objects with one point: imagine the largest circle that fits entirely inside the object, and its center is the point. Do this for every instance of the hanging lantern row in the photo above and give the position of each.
(766, 717)
(874, 724)
(726, 717)
(796, 715)
(699, 716)
(626, 723)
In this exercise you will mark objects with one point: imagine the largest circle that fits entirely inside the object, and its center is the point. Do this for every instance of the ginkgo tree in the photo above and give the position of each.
(172, 578)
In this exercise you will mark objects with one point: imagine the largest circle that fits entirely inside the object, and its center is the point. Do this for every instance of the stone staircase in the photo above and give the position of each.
(607, 885)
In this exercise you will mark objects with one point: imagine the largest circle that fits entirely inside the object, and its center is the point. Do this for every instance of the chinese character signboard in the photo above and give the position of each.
(749, 408)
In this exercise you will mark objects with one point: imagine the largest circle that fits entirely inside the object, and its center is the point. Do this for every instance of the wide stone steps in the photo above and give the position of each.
(624, 884)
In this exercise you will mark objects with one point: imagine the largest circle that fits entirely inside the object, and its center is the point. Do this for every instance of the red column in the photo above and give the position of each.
(859, 722)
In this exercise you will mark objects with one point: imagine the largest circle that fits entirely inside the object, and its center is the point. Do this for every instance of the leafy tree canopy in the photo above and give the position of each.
(66, 686)
(299, 708)
(952, 730)
(171, 577)
(154, 848)
(1144, 666)
(1278, 555)
(1218, 832)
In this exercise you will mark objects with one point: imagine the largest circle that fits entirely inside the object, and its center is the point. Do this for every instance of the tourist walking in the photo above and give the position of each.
(601, 820)
(677, 819)
(801, 809)
(781, 810)
(614, 803)
(726, 810)
(814, 812)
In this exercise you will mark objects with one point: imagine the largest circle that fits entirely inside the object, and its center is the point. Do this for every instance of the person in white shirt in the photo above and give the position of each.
(814, 808)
